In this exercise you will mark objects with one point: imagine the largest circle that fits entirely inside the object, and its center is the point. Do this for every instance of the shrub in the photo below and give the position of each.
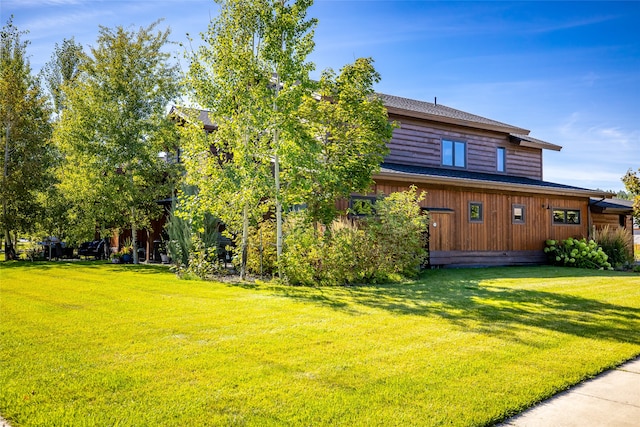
(616, 242)
(577, 253)
(261, 251)
(379, 248)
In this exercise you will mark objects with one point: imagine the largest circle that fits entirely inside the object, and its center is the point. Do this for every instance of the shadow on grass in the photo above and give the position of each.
(102, 265)
(461, 298)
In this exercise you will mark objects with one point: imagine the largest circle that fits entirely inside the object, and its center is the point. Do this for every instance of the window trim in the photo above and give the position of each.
(502, 150)
(523, 220)
(565, 216)
(453, 153)
(479, 220)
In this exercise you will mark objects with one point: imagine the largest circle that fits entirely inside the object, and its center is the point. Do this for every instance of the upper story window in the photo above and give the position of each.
(454, 153)
(501, 157)
(566, 216)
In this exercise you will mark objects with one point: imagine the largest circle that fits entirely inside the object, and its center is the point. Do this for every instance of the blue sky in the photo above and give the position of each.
(568, 71)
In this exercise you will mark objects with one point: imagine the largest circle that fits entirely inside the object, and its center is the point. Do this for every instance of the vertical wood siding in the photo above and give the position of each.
(497, 232)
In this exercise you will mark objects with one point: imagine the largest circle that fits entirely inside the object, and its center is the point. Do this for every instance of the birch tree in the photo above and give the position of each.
(114, 126)
(251, 74)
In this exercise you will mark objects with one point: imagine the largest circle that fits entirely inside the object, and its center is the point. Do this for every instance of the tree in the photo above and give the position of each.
(26, 139)
(632, 183)
(347, 133)
(251, 75)
(113, 128)
(61, 70)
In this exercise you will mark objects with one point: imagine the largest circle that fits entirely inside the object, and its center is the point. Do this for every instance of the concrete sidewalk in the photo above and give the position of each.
(611, 399)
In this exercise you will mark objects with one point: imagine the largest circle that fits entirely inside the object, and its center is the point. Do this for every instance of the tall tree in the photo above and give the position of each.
(25, 137)
(114, 126)
(347, 130)
(251, 75)
(632, 182)
(62, 69)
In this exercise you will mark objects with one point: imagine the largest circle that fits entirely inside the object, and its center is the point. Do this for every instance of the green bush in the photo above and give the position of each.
(378, 248)
(617, 243)
(577, 253)
(261, 251)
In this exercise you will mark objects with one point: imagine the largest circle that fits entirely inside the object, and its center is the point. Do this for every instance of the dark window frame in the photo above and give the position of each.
(480, 218)
(523, 218)
(453, 153)
(371, 199)
(566, 215)
(502, 150)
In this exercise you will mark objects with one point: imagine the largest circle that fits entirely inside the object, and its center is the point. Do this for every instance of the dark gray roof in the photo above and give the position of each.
(188, 114)
(612, 204)
(444, 111)
(392, 168)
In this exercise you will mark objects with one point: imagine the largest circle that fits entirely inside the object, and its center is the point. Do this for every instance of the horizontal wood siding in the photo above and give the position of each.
(418, 143)
(453, 232)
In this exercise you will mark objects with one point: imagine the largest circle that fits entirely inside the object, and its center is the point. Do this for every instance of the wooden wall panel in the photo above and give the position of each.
(418, 143)
(497, 232)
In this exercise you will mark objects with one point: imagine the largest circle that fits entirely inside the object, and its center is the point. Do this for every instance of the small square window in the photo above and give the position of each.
(475, 212)
(518, 214)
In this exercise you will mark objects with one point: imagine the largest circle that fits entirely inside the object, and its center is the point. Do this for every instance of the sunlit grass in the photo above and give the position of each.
(99, 344)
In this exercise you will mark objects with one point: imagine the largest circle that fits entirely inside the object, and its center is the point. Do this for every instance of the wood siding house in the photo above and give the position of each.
(486, 197)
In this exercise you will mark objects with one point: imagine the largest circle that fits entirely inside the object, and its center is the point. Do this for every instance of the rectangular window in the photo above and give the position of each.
(454, 153)
(362, 205)
(566, 216)
(501, 154)
(517, 214)
(475, 212)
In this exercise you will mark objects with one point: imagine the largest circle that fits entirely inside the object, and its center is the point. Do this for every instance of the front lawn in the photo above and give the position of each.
(101, 344)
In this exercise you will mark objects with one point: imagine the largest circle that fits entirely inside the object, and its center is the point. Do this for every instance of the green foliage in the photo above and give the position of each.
(617, 243)
(577, 253)
(346, 130)
(113, 126)
(376, 249)
(61, 70)
(179, 244)
(193, 242)
(632, 183)
(261, 257)
(25, 135)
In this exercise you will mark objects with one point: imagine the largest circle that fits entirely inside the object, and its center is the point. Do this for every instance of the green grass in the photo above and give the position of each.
(99, 344)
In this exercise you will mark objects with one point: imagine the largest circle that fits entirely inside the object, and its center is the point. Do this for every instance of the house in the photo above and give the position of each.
(487, 200)
(486, 197)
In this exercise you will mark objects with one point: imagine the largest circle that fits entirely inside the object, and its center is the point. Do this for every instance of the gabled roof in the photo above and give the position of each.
(441, 113)
(464, 178)
(188, 114)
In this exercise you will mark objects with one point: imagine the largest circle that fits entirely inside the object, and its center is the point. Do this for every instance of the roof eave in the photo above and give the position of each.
(489, 185)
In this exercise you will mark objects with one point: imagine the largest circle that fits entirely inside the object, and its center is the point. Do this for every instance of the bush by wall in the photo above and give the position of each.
(378, 248)
(577, 253)
(617, 243)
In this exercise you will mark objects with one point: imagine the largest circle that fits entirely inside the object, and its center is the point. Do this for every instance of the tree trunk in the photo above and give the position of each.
(134, 232)
(245, 241)
(278, 215)
(9, 249)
